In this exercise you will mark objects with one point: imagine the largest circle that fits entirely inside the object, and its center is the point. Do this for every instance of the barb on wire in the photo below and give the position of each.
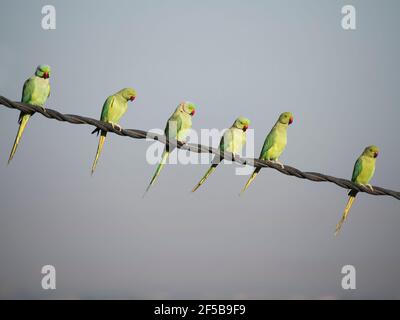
(140, 134)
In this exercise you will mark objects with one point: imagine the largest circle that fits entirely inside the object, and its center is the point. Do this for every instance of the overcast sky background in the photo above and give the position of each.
(253, 58)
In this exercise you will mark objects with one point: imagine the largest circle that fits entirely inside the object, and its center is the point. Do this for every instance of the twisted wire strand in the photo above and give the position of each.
(141, 134)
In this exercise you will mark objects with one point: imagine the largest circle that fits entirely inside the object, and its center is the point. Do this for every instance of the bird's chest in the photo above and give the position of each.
(186, 122)
(40, 91)
(278, 145)
(235, 140)
(186, 126)
(117, 110)
(368, 169)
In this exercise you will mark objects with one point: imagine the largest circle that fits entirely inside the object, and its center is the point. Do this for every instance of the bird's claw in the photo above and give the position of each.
(115, 125)
(368, 186)
(281, 164)
(182, 143)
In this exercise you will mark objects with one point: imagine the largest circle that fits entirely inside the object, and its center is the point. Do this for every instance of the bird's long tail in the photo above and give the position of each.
(23, 121)
(208, 173)
(102, 138)
(161, 165)
(251, 179)
(352, 197)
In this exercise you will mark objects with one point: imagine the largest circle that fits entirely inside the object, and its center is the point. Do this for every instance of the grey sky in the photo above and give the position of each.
(253, 58)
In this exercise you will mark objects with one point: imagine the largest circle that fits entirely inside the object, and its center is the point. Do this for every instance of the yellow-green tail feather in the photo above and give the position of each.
(102, 139)
(208, 173)
(23, 122)
(251, 179)
(345, 214)
(158, 170)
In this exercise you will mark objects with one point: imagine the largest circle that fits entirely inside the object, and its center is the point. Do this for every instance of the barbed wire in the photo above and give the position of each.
(141, 134)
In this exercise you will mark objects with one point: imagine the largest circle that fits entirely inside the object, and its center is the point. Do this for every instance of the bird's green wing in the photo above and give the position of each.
(222, 144)
(357, 169)
(268, 143)
(32, 94)
(174, 125)
(27, 90)
(106, 108)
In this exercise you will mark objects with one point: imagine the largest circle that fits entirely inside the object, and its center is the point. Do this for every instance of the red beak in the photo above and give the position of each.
(245, 127)
(46, 75)
(132, 98)
(193, 112)
(291, 120)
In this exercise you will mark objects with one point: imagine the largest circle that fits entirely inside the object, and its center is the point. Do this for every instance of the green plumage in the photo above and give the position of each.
(177, 128)
(113, 109)
(364, 167)
(363, 171)
(36, 90)
(232, 141)
(274, 144)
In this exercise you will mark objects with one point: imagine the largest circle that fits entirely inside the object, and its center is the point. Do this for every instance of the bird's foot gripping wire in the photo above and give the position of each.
(370, 186)
(236, 158)
(181, 143)
(43, 108)
(367, 186)
(116, 126)
(277, 162)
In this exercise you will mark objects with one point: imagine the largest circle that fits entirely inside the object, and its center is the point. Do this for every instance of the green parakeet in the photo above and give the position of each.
(232, 141)
(36, 91)
(177, 128)
(113, 109)
(274, 144)
(363, 171)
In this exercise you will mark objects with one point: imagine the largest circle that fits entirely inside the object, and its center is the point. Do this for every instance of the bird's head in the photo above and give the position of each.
(242, 123)
(187, 107)
(43, 71)
(371, 151)
(286, 118)
(128, 93)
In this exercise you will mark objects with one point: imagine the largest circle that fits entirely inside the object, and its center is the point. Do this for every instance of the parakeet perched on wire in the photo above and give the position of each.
(363, 171)
(274, 144)
(36, 91)
(113, 109)
(232, 141)
(178, 126)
